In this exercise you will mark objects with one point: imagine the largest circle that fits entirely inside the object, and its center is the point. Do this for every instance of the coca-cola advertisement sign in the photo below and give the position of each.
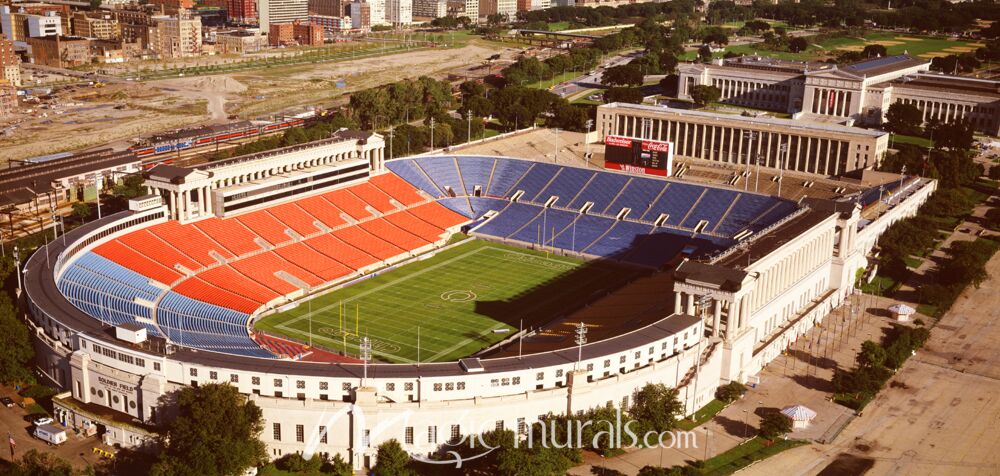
(640, 156)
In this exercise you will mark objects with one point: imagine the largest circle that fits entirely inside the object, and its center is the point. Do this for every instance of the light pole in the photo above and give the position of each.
(555, 154)
(432, 133)
(581, 338)
(17, 268)
(781, 169)
(97, 185)
(391, 135)
(586, 142)
(366, 355)
(750, 136)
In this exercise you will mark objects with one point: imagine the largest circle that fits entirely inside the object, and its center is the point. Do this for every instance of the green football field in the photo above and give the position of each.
(462, 299)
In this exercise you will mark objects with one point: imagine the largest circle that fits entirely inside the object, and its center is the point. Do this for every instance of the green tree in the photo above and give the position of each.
(16, 351)
(392, 460)
(872, 355)
(703, 94)
(36, 463)
(130, 187)
(797, 44)
(669, 84)
(215, 433)
(95, 4)
(623, 75)
(655, 407)
(874, 50)
(774, 425)
(730, 392)
(629, 95)
(904, 119)
(336, 466)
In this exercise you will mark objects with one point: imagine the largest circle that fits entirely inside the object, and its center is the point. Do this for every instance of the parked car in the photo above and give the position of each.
(42, 421)
(7, 402)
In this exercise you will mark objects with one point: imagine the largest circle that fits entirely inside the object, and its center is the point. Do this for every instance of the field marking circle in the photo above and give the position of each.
(458, 295)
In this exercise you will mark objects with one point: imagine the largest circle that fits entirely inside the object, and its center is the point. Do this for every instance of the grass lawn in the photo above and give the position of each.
(895, 43)
(743, 455)
(912, 262)
(704, 414)
(458, 299)
(914, 140)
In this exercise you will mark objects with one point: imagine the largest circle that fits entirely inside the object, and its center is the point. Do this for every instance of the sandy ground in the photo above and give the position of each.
(89, 116)
(941, 420)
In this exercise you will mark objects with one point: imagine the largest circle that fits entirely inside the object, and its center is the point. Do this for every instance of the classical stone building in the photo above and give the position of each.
(860, 93)
(809, 147)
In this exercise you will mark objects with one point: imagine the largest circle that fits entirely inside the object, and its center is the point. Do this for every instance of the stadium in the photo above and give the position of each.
(357, 299)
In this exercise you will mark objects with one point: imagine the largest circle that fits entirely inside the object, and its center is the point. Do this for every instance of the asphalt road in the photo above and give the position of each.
(588, 80)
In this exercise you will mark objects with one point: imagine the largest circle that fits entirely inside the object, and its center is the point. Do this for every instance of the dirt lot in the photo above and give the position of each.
(941, 420)
(90, 116)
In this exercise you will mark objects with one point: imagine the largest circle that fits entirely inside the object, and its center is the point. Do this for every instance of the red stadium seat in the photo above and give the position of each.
(265, 225)
(295, 218)
(373, 196)
(323, 210)
(397, 188)
(412, 224)
(437, 215)
(350, 256)
(138, 262)
(371, 244)
(158, 250)
(230, 233)
(191, 241)
(348, 202)
(313, 261)
(403, 239)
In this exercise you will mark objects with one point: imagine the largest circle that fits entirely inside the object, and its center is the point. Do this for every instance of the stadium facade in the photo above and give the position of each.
(132, 307)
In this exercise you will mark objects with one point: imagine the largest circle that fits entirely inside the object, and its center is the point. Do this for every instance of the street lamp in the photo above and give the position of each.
(586, 142)
(581, 338)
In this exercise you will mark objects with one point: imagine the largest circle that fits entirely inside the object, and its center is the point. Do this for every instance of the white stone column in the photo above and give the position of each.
(716, 317)
(690, 305)
(678, 298)
(173, 204)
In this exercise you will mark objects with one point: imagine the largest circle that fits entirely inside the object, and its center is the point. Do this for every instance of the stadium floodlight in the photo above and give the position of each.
(366, 355)
(586, 154)
(581, 338)
(783, 148)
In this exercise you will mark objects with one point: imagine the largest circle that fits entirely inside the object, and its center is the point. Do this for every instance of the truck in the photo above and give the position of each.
(50, 434)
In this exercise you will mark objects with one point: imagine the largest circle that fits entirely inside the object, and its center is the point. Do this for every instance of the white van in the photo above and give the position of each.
(50, 434)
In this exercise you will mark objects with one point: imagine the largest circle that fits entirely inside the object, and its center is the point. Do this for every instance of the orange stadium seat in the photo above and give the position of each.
(371, 244)
(138, 262)
(230, 233)
(191, 241)
(295, 218)
(323, 210)
(397, 188)
(348, 202)
(373, 196)
(195, 288)
(262, 268)
(313, 261)
(348, 255)
(412, 224)
(230, 279)
(437, 215)
(158, 250)
(393, 234)
(265, 225)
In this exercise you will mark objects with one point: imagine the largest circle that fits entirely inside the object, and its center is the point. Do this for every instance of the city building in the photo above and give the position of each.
(860, 93)
(8, 99)
(60, 51)
(135, 22)
(399, 12)
(328, 8)
(101, 25)
(430, 8)
(472, 10)
(241, 11)
(239, 41)
(743, 142)
(176, 37)
(498, 7)
(377, 14)
(173, 7)
(296, 33)
(22, 20)
(361, 16)
(332, 25)
(281, 11)
(10, 63)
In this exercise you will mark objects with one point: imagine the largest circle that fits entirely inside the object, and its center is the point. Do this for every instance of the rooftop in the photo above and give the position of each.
(885, 64)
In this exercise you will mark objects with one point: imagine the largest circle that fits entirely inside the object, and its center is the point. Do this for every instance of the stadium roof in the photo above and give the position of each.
(885, 64)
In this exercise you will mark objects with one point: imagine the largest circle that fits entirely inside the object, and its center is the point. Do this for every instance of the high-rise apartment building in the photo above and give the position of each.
(399, 12)
(10, 63)
(241, 11)
(281, 11)
(176, 37)
(430, 8)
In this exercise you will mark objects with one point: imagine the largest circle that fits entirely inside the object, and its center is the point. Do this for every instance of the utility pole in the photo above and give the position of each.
(432, 133)
(390, 141)
(586, 142)
(555, 154)
(97, 185)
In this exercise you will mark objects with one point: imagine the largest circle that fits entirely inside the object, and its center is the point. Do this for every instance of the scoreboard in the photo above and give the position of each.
(638, 155)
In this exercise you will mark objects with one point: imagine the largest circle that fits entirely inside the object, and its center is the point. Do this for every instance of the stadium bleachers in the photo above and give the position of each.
(198, 284)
